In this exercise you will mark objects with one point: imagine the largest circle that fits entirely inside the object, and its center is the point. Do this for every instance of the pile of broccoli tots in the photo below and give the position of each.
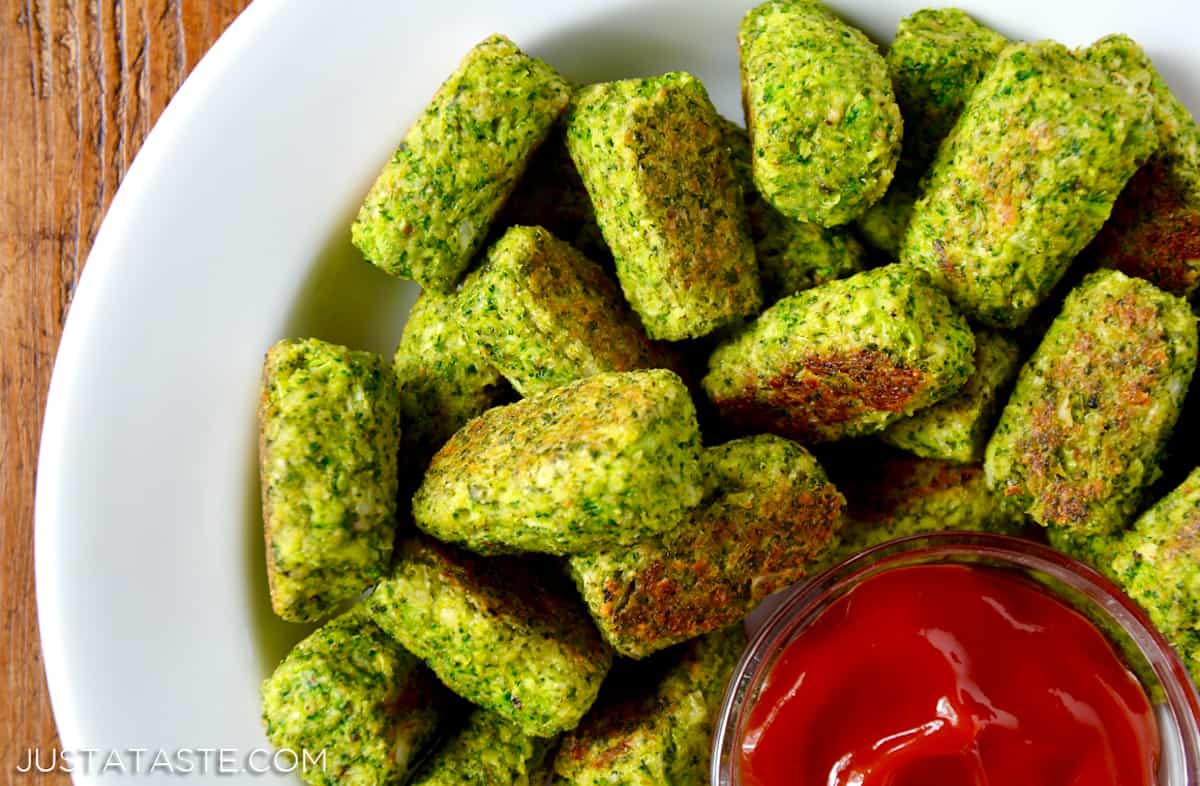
(663, 366)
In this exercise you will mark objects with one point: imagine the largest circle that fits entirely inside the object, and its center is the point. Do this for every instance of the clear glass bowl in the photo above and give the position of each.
(1146, 651)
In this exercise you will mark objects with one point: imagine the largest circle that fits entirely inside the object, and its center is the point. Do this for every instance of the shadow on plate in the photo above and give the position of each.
(628, 41)
(347, 301)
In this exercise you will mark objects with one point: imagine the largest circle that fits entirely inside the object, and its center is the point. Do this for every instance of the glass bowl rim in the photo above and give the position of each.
(1181, 701)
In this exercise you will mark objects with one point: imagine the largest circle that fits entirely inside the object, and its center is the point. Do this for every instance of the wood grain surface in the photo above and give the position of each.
(81, 83)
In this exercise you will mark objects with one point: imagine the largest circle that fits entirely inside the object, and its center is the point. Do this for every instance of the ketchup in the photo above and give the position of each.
(950, 675)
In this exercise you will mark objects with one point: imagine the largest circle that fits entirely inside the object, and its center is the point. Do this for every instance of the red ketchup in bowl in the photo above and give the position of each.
(950, 675)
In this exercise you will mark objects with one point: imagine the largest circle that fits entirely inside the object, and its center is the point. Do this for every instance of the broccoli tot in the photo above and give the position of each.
(1026, 178)
(937, 59)
(329, 433)
(654, 726)
(822, 116)
(604, 461)
(551, 195)
(667, 199)
(351, 696)
(1156, 564)
(444, 381)
(499, 632)
(769, 517)
(547, 315)
(1154, 230)
(884, 224)
(486, 751)
(957, 428)
(431, 207)
(903, 495)
(1081, 435)
(792, 255)
(1095, 551)
(844, 359)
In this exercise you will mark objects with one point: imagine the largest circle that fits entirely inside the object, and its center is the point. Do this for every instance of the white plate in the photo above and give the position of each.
(231, 231)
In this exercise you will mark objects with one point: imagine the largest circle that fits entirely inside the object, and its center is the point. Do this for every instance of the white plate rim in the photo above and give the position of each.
(254, 23)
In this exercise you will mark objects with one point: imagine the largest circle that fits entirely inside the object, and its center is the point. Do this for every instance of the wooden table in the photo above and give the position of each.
(81, 83)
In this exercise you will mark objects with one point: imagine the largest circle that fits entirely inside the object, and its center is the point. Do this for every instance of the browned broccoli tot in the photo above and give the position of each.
(769, 517)
(846, 358)
(1082, 434)
(1154, 230)
(894, 496)
(668, 202)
